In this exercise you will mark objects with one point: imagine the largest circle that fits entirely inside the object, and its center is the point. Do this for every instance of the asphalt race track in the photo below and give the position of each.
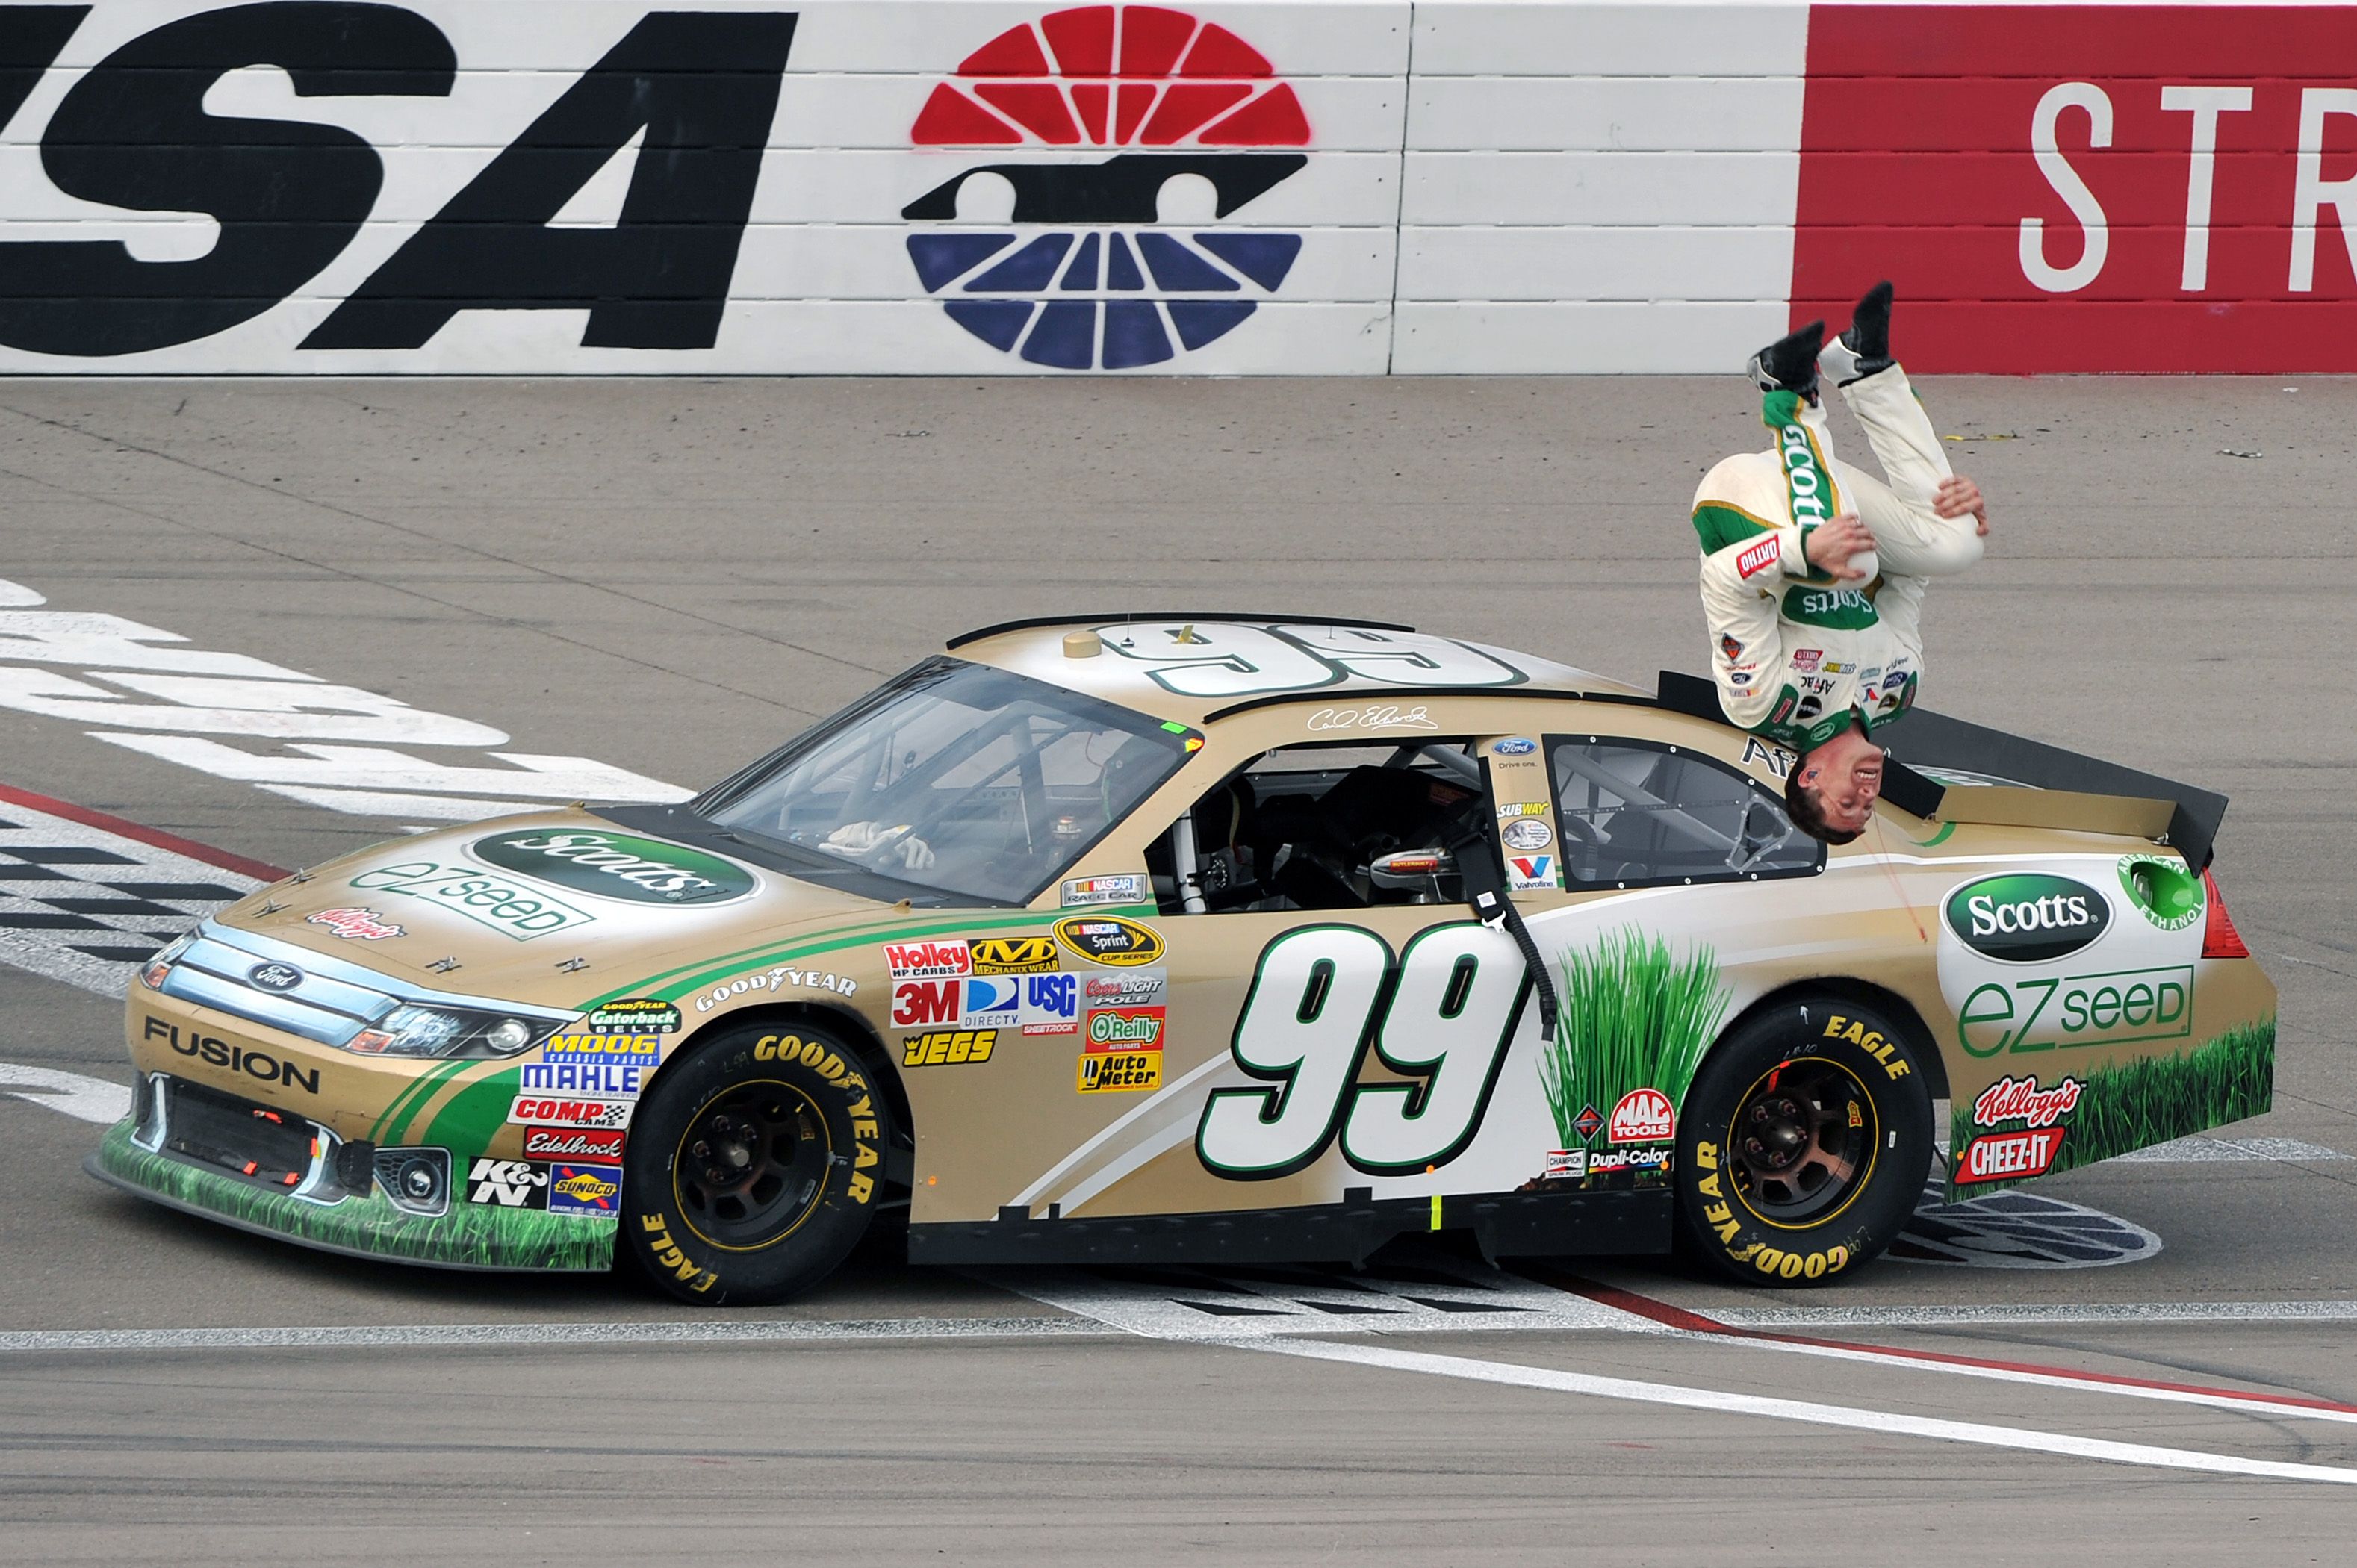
(668, 577)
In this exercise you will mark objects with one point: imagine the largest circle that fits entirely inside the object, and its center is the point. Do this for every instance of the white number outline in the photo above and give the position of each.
(1413, 1100)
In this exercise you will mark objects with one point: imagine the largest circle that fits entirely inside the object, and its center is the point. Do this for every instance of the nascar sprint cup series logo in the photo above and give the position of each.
(1094, 240)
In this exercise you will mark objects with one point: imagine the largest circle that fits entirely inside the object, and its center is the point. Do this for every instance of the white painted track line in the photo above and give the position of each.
(1716, 1399)
(72, 1093)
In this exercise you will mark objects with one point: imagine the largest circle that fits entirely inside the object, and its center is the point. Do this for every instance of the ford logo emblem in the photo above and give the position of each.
(274, 976)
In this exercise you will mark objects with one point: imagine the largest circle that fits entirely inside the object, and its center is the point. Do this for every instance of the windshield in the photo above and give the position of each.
(956, 778)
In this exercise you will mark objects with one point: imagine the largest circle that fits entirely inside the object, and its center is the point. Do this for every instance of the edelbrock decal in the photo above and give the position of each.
(2026, 916)
(616, 866)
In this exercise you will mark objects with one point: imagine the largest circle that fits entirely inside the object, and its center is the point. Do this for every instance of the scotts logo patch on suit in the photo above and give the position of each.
(2026, 916)
(1108, 938)
(1089, 259)
(616, 866)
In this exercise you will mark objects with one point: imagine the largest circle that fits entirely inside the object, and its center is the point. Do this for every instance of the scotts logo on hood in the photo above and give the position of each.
(616, 866)
(2026, 916)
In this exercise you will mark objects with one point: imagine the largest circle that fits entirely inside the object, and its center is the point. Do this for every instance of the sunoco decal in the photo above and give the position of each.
(2026, 916)
(616, 866)
(1089, 264)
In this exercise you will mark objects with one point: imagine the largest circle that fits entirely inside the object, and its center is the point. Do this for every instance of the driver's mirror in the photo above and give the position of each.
(1417, 869)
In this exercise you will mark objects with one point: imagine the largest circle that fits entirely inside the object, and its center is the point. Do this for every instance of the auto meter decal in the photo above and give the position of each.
(1106, 258)
(616, 866)
(2026, 916)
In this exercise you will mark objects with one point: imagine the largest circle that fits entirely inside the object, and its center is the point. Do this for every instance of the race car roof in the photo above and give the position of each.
(1191, 668)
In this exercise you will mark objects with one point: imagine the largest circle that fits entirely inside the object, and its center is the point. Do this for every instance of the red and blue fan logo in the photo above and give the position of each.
(1109, 263)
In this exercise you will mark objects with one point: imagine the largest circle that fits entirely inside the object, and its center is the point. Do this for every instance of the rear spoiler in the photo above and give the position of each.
(2064, 789)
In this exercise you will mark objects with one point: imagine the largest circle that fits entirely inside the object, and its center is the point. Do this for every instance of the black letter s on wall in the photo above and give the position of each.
(132, 133)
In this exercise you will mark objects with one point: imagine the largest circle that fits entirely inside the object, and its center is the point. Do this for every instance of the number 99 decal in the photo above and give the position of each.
(1305, 1029)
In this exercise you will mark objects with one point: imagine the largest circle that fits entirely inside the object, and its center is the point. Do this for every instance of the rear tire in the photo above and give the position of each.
(1803, 1144)
(754, 1165)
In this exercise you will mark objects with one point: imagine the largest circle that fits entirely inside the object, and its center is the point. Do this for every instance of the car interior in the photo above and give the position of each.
(1305, 827)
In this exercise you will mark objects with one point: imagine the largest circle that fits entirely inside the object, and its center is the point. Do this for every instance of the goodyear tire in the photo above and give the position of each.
(1803, 1144)
(754, 1165)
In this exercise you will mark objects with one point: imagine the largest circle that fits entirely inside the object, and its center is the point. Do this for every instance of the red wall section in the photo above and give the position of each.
(1918, 165)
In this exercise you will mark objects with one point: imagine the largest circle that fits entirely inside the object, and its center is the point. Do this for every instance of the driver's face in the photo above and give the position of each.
(1849, 781)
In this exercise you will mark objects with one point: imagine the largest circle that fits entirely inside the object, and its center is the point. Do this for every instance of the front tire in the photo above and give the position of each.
(753, 1167)
(1803, 1144)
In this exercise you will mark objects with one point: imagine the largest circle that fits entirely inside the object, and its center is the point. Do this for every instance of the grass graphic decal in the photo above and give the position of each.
(2135, 1104)
(478, 1235)
(1634, 1015)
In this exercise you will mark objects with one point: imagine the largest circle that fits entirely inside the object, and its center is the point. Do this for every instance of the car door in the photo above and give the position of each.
(1302, 1033)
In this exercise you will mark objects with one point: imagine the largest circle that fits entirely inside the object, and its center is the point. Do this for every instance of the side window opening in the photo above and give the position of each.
(1636, 813)
(1305, 827)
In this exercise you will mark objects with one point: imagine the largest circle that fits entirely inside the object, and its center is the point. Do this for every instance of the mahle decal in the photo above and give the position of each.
(2026, 916)
(617, 865)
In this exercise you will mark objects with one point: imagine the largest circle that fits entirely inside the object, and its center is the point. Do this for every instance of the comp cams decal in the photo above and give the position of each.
(1092, 263)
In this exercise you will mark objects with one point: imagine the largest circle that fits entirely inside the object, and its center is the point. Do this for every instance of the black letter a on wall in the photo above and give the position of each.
(704, 85)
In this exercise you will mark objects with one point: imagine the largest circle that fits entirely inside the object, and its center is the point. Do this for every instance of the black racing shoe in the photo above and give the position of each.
(1789, 363)
(1864, 347)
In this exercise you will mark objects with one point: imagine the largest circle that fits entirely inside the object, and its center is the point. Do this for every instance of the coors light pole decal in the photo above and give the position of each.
(1086, 259)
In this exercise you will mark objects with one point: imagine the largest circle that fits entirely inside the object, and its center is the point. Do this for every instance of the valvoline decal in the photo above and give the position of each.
(1094, 262)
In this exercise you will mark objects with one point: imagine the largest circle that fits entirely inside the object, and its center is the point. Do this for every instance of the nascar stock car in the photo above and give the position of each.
(1159, 938)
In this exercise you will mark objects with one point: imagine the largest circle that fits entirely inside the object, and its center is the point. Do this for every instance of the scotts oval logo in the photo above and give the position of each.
(617, 865)
(1108, 938)
(2027, 918)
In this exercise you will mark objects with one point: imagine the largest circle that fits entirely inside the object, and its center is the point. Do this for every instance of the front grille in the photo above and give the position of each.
(273, 1150)
(331, 1002)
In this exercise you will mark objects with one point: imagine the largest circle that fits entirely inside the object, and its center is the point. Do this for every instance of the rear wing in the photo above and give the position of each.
(2032, 784)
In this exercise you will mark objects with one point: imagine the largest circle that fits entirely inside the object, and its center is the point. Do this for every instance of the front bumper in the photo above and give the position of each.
(258, 1168)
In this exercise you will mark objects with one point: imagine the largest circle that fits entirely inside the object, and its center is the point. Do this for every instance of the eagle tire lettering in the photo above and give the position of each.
(1757, 1219)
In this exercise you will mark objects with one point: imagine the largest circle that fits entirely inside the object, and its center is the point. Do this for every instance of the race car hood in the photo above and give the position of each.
(553, 908)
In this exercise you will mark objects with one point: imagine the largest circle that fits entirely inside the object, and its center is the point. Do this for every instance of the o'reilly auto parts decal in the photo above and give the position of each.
(2026, 916)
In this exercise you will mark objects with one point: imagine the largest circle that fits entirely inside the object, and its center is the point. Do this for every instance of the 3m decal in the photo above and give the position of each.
(1030, 955)
(621, 866)
(1085, 274)
(553, 1111)
(1311, 1017)
(356, 925)
(488, 901)
(948, 1047)
(573, 1144)
(696, 91)
(508, 1183)
(918, 1004)
(1109, 939)
(592, 1190)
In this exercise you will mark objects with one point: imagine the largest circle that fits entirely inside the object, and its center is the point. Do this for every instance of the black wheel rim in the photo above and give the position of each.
(1802, 1143)
(752, 1165)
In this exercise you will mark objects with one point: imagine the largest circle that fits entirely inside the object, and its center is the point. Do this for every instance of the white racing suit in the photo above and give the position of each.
(1798, 656)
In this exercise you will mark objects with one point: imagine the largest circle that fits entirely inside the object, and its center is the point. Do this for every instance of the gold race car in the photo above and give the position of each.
(1162, 940)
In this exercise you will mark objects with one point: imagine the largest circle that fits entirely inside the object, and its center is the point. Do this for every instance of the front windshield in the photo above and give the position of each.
(956, 778)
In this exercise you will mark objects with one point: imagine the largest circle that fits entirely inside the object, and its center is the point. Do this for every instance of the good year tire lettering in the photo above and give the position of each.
(1305, 1029)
